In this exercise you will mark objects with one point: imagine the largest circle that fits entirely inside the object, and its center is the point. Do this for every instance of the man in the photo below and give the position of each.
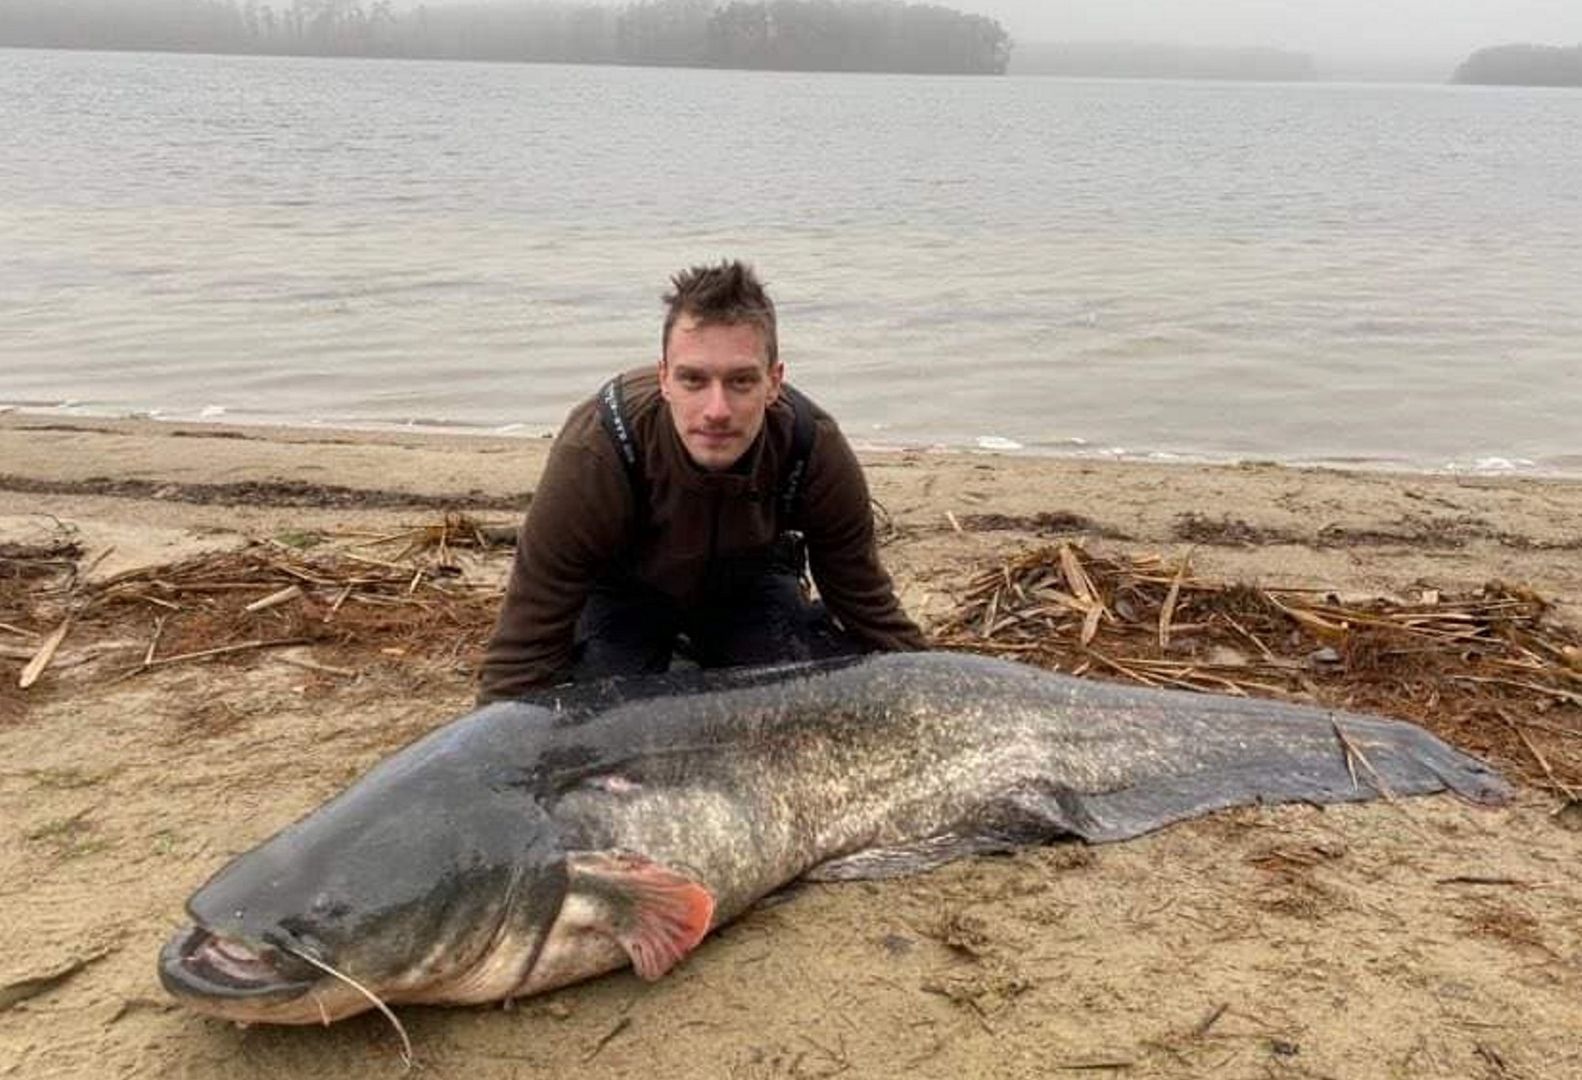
(674, 509)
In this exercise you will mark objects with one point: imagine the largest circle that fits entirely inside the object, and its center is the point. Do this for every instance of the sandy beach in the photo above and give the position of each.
(1428, 939)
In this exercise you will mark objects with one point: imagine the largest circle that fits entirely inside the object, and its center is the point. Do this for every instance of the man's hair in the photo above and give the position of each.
(728, 294)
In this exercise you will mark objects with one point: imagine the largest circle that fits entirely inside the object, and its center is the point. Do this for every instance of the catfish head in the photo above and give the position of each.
(438, 877)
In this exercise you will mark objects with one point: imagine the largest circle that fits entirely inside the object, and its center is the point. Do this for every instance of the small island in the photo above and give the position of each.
(1522, 65)
(784, 35)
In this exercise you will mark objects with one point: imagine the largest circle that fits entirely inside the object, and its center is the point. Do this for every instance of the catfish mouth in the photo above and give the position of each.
(197, 963)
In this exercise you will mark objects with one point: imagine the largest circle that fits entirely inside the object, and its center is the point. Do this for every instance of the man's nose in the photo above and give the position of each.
(715, 404)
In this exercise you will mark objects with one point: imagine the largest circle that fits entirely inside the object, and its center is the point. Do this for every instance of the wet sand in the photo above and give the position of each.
(1427, 939)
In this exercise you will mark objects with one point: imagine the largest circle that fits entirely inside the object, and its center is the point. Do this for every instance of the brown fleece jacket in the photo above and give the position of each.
(583, 526)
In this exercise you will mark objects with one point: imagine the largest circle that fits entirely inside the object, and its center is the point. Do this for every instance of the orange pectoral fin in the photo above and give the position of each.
(656, 913)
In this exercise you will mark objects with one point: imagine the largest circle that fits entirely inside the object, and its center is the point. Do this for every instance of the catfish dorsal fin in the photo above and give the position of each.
(656, 913)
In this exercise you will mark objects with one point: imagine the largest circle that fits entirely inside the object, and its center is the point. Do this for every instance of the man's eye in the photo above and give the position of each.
(743, 384)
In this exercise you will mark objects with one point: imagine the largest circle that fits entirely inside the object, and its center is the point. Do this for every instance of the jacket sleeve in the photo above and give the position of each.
(575, 527)
(837, 518)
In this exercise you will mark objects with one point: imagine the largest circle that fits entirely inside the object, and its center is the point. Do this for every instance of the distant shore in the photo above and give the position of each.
(1522, 65)
(790, 35)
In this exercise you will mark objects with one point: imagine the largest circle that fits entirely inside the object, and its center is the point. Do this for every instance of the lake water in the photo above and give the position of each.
(1381, 274)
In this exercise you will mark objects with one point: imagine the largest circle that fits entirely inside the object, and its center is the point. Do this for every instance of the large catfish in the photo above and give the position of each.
(532, 844)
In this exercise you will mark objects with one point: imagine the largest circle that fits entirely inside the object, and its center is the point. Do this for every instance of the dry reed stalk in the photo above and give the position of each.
(224, 650)
(157, 602)
(339, 600)
(153, 644)
(274, 599)
(382, 563)
(1167, 611)
(1543, 762)
(46, 652)
(1521, 684)
(314, 665)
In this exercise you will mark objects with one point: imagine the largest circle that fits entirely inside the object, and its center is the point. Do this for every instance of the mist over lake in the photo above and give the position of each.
(1295, 272)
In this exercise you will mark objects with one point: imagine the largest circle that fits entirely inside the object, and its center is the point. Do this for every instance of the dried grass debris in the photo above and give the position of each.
(1488, 670)
(367, 600)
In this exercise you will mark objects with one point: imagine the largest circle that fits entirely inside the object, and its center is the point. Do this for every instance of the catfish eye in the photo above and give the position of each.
(325, 906)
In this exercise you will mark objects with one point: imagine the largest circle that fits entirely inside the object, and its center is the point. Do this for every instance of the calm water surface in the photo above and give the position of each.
(1383, 274)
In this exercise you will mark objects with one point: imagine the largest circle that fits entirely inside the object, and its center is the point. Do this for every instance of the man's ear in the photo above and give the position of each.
(664, 379)
(777, 376)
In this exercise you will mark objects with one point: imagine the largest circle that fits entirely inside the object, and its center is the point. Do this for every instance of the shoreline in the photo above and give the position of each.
(1074, 450)
(153, 490)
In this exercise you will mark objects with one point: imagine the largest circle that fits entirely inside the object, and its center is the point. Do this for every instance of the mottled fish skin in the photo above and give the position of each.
(757, 778)
(511, 829)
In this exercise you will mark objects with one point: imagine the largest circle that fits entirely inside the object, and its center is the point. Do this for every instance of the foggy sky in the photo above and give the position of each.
(1333, 29)
(1372, 28)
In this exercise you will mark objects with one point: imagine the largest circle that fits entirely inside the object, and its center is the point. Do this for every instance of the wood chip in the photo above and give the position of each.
(46, 653)
(1090, 624)
(1076, 578)
(274, 599)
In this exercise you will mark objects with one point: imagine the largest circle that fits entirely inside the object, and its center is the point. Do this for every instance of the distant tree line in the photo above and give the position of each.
(1142, 60)
(807, 35)
(1523, 65)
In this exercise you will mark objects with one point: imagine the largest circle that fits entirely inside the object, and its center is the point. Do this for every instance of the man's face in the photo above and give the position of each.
(718, 381)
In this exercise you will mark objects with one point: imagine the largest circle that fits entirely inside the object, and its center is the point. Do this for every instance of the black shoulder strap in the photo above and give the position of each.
(790, 494)
(612, 411)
